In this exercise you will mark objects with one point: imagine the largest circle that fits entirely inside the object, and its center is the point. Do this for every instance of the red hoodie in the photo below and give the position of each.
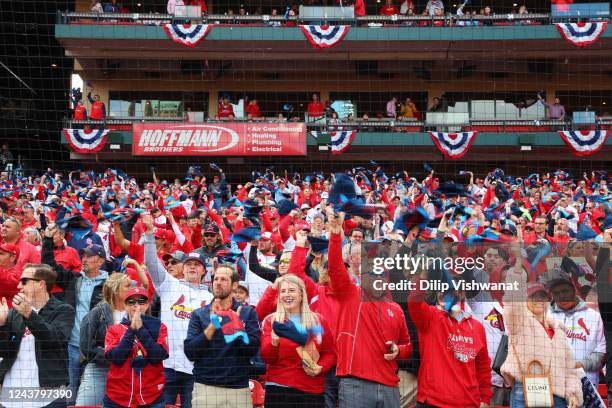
(127, 386)
(455, 366)
(364, 327)
(284, 366)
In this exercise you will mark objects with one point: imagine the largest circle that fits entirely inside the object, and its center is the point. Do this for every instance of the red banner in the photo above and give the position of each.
(219, 139)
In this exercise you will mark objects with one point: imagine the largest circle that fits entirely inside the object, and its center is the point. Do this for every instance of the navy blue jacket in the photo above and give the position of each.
(217, 363)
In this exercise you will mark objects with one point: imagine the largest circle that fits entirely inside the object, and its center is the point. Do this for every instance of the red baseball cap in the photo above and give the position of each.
(10, 248)
(166, 234)
(160, 233)
(534, 288)
(137, 291)
(302, 225)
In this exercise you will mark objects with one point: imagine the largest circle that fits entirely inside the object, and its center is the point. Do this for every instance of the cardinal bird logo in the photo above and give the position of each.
(583, 325)
(181, 311)
(496, 320)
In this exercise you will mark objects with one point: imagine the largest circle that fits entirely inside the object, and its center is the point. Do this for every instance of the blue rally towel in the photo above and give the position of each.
(230, 325)
(294, 331)
(246, 234)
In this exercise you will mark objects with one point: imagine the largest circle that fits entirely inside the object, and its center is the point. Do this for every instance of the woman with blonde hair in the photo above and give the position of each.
(297, 347)
(93, 332)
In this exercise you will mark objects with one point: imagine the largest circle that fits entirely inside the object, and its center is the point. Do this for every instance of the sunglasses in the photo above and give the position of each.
(24, 281)
(210, 235)
(172, 262)
(284, 261)
(141, 301)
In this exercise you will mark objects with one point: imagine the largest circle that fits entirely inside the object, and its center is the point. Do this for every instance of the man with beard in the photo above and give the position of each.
(213, 243)
(222, 338)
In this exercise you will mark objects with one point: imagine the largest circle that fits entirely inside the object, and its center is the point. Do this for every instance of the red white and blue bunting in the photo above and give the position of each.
(453, 145)
(189, 35)
(582, 34)
(340, 141)
(584, 143)
(86, 141)
(323, 36)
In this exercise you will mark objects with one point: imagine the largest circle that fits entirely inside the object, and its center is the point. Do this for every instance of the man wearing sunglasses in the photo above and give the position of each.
(179, 298)
(82, 290)
(174, 263)
(34, 337)
(212, 245)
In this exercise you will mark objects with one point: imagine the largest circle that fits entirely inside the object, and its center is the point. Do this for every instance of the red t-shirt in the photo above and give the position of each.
(316, 109)
(388, 10)
(200, 3)
(225, 111)
(253, 110)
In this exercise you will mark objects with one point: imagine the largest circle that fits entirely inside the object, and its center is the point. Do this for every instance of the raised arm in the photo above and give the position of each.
(156, 270)
(339, 278)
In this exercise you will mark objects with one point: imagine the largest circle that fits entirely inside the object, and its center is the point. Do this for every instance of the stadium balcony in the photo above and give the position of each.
(514, 140)
(109, 35)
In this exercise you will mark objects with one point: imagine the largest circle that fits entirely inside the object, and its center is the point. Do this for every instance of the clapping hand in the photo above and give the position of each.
(22, 305)
(136, 322)
(4, 310)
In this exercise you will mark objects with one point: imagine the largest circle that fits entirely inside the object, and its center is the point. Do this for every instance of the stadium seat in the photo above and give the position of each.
(257, 393)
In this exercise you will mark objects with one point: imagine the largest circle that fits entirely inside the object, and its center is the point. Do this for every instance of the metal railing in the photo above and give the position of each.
(264, 20)
(374, 124)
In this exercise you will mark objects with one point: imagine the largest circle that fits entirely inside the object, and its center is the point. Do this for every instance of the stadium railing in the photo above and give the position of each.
(374, 124)
(264, 20)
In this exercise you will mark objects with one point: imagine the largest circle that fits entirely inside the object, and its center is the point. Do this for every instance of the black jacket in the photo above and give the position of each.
(51, 328)
(66, 279)
(93, 333)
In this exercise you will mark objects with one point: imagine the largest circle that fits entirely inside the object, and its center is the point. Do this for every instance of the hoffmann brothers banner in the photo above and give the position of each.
(219, 139)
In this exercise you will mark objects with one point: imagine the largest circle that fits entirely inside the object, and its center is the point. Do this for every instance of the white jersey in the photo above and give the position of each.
(491, 315)
(257, 286)
(178, 300)
(585, 333)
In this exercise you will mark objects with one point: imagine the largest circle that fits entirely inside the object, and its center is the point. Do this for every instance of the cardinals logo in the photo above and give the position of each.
(180, 311)
(496, 320)
(579, 333)
(583, 325)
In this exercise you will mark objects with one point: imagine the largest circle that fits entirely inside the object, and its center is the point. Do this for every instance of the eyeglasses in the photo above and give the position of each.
(141, 301)
(24, 281)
